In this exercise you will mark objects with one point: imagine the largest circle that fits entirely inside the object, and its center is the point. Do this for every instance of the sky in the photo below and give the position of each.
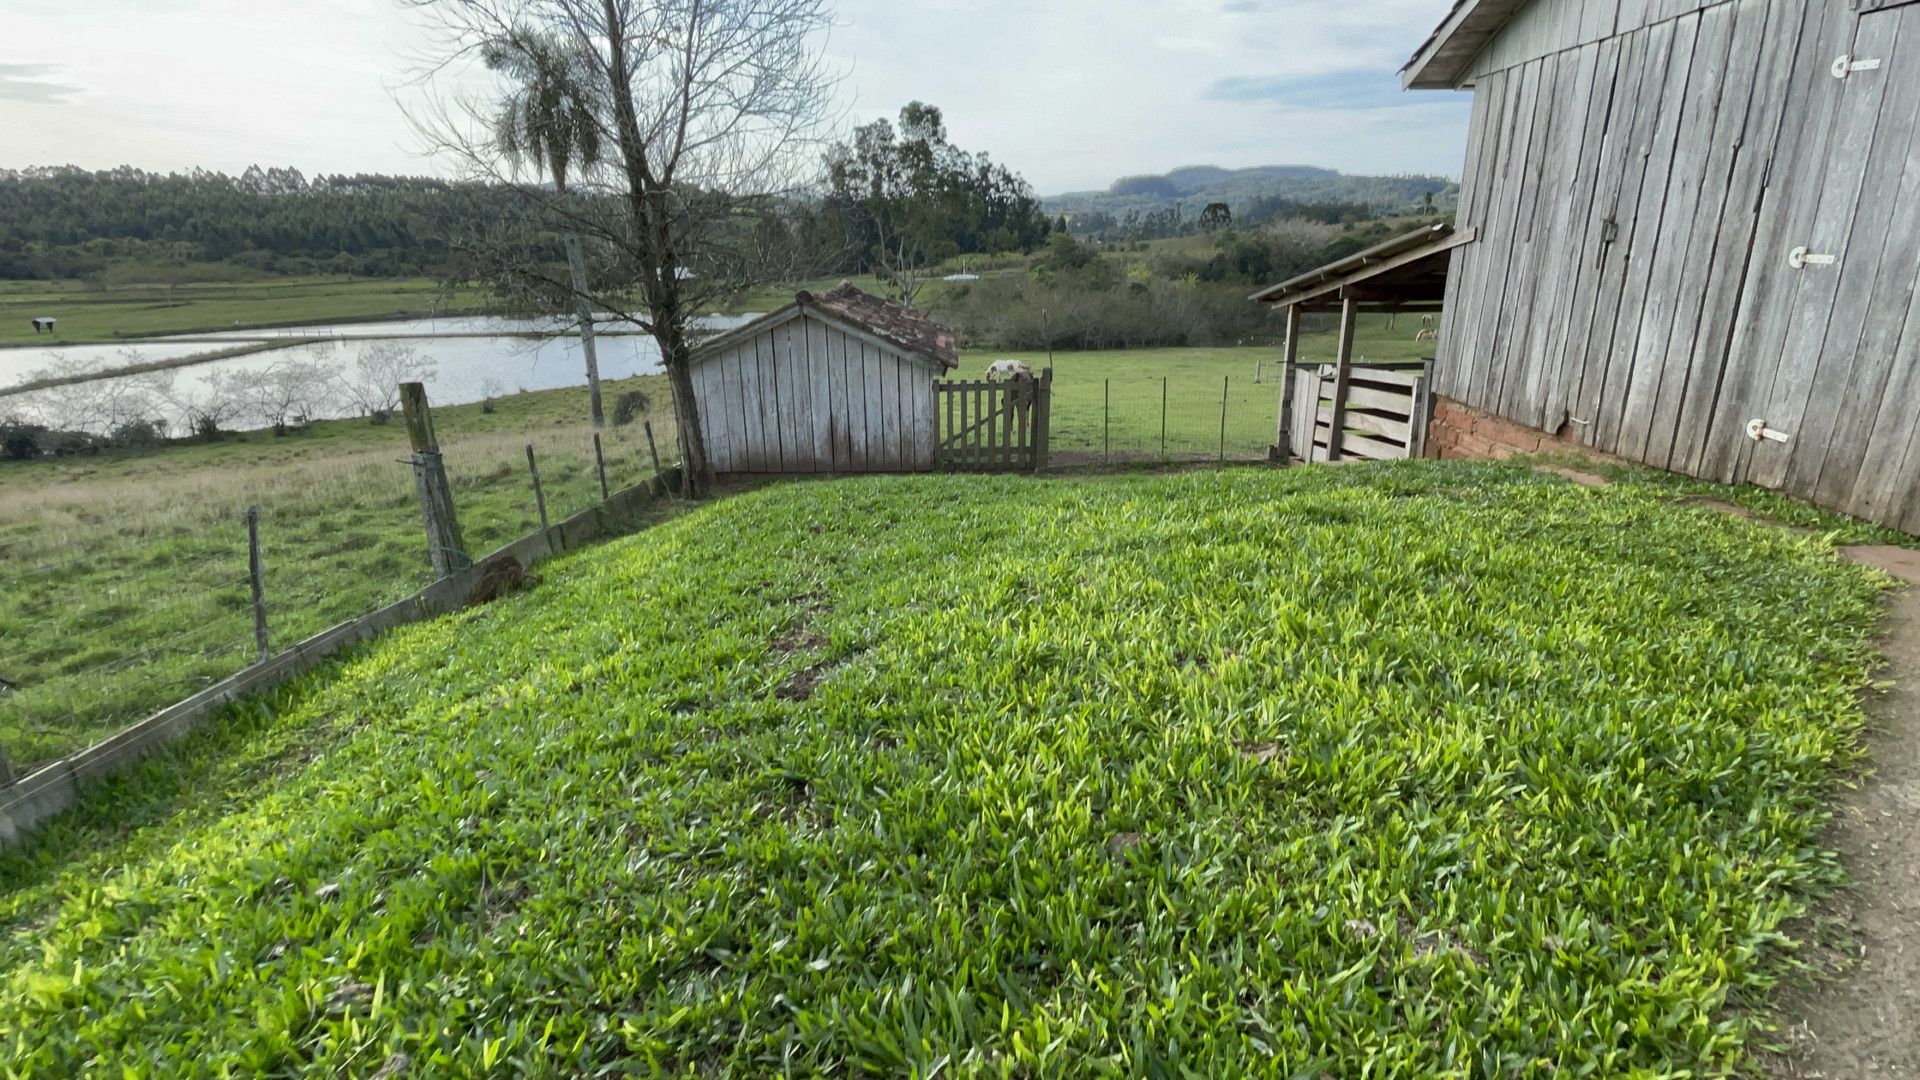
(1071, 93)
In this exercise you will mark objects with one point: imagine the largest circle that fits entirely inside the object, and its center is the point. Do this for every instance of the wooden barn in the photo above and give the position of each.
(1696, 236)
(840, 383)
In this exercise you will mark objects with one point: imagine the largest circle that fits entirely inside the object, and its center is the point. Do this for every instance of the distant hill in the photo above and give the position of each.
(1193, 187)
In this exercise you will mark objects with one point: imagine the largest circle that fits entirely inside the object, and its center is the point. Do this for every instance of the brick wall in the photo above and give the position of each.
(1461, 431)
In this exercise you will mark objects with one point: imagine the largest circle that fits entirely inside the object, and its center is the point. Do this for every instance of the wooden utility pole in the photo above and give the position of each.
(444, 546)
(577, 265)
(256, 571)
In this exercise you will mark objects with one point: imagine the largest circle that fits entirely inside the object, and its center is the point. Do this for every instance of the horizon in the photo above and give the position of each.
(1042, 195)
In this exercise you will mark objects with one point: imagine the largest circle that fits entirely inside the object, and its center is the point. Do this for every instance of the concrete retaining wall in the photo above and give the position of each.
(52, 788)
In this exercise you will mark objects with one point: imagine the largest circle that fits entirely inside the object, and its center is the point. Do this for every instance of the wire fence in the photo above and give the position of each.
(126, 586)
(1190, 417)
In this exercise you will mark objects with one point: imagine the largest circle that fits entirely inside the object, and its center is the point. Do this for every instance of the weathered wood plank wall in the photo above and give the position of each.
(1638, 172)
(806, 397)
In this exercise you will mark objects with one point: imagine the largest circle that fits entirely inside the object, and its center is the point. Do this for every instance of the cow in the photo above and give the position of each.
(1008, 371)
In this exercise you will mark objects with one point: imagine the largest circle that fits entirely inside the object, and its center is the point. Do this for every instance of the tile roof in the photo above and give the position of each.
(895, 323)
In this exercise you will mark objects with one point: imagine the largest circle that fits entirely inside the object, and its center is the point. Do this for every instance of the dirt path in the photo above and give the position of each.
(1865, 1022)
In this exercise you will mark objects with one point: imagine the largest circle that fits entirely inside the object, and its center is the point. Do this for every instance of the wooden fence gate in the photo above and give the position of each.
(1369, 412)
(993, 426)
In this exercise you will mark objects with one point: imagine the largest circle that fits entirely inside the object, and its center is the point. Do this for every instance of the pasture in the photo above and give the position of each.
(1411, 770)
(124, 574)
(125, 571)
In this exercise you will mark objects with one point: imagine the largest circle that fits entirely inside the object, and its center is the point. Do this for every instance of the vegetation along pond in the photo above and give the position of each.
(463, 360)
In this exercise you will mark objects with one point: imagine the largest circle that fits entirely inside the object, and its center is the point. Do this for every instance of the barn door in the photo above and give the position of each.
(1816, 252)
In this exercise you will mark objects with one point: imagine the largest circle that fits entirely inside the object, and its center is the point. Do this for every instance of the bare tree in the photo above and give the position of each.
(548, 120)
(92, 399)
(373, 383)
(287, 392)
(207, 405)
(709, 108)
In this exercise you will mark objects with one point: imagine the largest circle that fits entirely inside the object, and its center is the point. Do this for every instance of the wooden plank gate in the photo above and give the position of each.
(993, 426)
(1376, 412)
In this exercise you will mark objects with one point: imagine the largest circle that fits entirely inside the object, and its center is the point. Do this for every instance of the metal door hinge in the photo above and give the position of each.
(1758, 430)
(1847, 65)
(1802, 257)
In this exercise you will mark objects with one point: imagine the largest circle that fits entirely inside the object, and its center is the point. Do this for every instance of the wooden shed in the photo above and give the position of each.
(1697, 235)
(1347, 410)
(840, 383)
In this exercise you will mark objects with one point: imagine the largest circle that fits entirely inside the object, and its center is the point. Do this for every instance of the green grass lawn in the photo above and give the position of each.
(120, 312)
(1390, 771)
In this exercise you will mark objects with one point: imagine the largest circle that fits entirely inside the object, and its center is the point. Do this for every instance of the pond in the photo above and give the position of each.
(473, 358)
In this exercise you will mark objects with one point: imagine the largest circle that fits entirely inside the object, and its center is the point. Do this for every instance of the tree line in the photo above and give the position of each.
(66, 222)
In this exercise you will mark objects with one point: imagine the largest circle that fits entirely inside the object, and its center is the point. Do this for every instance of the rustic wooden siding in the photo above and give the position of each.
(1636, 194)
(805, 396)
(1546, 27)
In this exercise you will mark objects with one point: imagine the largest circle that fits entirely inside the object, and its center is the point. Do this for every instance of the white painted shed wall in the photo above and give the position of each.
(804, 396)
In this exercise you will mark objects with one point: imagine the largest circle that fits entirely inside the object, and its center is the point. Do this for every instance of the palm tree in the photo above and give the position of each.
(548, 120)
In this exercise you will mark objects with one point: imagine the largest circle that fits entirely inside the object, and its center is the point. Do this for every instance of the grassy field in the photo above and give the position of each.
(1407, 771)
(123, 311)
(124, 573)
(1112, 401)
(123, 577)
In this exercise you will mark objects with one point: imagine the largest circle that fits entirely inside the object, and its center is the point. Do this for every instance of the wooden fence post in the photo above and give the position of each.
(1289, 378)
(1042, 417)
(1163, 418)
(539, 497)
(6, 770)
(652, 450)
(256, 571)
(1343, 375)
(600, 463)
(444, 545)
(1225, 382)
(1106, 423)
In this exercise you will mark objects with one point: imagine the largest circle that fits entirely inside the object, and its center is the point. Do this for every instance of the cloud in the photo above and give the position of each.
(29, 83)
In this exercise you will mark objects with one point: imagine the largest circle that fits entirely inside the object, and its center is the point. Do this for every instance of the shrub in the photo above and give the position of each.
(631, 406)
